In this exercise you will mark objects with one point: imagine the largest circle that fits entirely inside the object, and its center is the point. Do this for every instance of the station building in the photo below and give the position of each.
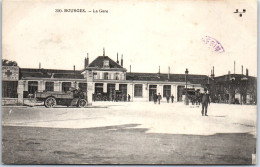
(102, 75)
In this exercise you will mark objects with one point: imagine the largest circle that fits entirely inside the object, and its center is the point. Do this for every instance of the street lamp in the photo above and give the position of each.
(186, 100)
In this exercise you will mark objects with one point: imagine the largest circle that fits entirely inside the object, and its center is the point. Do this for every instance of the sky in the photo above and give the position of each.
(149, 34)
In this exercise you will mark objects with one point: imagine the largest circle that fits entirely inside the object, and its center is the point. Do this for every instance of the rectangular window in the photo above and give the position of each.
(116, 76)
(49, 86)
(83, 86)
(94, 75)
(138, 90)
(111, 88)
(106, 76)
(98, 88)
(66, 86)
(123, 88)
(166, 90)
(32, 87)
(9, 89)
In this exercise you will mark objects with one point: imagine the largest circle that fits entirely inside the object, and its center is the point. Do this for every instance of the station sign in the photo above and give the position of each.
(10, 73)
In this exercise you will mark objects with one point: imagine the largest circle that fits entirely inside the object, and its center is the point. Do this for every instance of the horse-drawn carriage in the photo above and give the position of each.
(194, 96)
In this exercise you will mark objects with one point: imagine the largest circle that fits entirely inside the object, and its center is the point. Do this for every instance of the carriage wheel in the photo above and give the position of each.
(98, 98)
(104, 98)
(50, 102)
(82, 103)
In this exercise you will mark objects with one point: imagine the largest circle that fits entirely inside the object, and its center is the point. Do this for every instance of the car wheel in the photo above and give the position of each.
(50, 102)
(82, 103)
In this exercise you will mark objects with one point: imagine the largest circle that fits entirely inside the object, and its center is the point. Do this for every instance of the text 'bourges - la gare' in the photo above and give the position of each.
(81, 10)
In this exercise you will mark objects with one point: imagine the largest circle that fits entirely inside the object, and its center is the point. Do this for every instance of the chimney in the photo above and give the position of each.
(168, 72)
(40, 65)
(86, 62)
(87, 59)
(246, 72)
(130, 68)
(234, 67)
(213, 72)
(242, 70)
(103, 51)
(122, 60)
(74, 68)
(117, 59)
(159, 70)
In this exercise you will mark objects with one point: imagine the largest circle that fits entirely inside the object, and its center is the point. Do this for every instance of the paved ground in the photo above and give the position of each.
(126, 133)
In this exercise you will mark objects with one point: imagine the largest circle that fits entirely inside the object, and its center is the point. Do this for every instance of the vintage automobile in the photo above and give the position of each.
(73, 97)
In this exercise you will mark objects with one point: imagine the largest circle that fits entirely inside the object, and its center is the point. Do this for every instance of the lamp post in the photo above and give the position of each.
(186, 100)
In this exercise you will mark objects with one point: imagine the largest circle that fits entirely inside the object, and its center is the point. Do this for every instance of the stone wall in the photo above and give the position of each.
(9, 101)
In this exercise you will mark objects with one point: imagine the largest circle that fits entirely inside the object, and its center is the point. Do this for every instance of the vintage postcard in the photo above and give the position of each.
(129, 82)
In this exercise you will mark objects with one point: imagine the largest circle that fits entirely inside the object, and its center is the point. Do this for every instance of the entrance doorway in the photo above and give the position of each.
(123, 90)
(110, 91)
(152, 91)
(181, 91)
(98, 88)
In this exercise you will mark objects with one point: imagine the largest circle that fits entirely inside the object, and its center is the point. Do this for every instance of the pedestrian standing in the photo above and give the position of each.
(124, 97)
(172, 98)
(117, 98)
(129, 97)
(155, 98)
(167, 98)
(93, 96)
(205, 101)
(113, 97)
(110, 96)
(159, 98)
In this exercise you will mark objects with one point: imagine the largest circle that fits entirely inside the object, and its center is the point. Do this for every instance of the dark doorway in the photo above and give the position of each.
(32, 87)
(98, 88)
(111, 91)
(152, 91)
(123, 90)
(181, 91)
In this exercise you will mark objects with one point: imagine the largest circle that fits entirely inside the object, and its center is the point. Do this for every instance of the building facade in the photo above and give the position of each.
(106, 77)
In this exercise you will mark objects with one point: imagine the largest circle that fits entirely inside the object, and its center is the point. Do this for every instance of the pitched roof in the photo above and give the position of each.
(238, 77)
(50, 73)
(195, 79)
(42, 70)
(71, 76)
(98, 63)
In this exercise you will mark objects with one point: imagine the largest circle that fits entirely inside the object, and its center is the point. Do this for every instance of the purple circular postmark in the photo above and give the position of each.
(213, 44)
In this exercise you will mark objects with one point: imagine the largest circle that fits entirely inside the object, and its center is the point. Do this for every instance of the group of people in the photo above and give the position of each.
(158, 98)
(205, 101)
(112, 97)
(119, 97)
(168, 98)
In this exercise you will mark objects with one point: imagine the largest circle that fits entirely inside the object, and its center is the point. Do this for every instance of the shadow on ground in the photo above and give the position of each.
(121, 144)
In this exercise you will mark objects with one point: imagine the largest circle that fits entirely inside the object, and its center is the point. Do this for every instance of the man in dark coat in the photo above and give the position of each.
(205, 101)
(172, 97)
(167, 98)
(129, 97)
(155, 98)
(159, 97)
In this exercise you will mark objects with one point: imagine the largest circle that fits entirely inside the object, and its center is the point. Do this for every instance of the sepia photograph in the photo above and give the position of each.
(129, 82)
